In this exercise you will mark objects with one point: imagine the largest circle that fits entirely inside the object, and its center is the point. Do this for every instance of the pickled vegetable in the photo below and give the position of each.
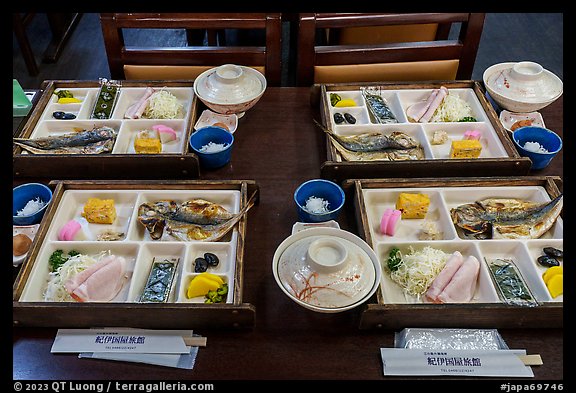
(334, 98)
(345, 103)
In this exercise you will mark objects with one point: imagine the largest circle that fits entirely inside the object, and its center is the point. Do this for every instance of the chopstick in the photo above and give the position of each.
(195, 341)
(531, 360)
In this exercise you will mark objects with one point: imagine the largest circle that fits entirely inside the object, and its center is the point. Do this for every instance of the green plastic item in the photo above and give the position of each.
(20, 103)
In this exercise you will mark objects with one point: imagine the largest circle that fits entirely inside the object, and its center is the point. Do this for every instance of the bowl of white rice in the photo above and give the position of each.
(319, 200)
(213, 146)
(539, 144)
(29, 202)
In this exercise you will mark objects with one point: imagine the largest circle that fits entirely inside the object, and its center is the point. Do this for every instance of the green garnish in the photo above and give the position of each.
(394, 259)
(58, 258)
(467, 119)
(218, 295)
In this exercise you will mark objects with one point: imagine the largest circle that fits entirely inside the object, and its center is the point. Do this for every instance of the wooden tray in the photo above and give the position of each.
(177, 162)
(30, 308)
(499, 156)
(372, 196)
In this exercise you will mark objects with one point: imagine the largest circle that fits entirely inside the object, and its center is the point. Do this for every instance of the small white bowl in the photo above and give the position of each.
(28, 230)
(508, 119)
(522, 87)
(209, 118)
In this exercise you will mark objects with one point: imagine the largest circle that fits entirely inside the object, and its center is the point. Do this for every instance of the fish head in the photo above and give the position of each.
(469, 217)
(404, 140)
(152, 220)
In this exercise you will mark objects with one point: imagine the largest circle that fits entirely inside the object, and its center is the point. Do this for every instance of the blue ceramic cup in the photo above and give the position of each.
(209, 136)
(547, 139)
(24, 193)
(319, 188)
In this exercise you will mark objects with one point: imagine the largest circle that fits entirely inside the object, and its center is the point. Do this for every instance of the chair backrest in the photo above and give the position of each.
(338, 47)
(187, 62)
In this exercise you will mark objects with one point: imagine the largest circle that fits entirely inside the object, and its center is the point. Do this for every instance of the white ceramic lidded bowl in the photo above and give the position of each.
(230, 89)
(523, 86)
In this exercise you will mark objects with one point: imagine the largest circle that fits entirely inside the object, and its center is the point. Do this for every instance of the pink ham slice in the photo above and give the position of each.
(136, 110)
(417, 110)
(101, 282)
(442, 93)
(443, 278)
(463, 284)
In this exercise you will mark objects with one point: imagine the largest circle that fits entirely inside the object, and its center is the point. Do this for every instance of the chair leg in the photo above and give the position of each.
(24, 43)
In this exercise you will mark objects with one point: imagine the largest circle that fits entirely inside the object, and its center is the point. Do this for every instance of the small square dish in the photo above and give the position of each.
(513, 120)
(209, 118)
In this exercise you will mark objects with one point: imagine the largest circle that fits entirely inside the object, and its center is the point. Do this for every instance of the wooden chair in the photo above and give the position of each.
(336, 47)
(187, 62)
(19, 24)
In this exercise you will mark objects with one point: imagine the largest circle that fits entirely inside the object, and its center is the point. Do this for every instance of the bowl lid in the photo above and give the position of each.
(523, 81)
(229, 84)
(342, 272)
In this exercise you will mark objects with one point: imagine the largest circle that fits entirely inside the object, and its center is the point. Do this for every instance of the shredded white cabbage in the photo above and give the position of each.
(55, 291)
(163, 105)
(418, 269)
(452, 108)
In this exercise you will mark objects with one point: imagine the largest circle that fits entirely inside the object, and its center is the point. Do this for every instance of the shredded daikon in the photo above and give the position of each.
(316, 205)
(56, 291)
(418, 269)
(163, 105)
(452, 108)
(31, 207)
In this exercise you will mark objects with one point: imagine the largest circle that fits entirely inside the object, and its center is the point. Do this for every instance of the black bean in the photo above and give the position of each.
(553, 252)
(547, 261)
(349, 118)
(338, 118)
(58, 115)
(211, 259)
(200, 265)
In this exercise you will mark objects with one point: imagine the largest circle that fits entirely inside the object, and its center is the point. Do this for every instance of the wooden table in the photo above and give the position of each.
(278, 145)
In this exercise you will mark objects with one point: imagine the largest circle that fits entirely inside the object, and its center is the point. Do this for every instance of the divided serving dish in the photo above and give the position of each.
(498, 154)
(176, 160)
(393, 309)
(138, 249)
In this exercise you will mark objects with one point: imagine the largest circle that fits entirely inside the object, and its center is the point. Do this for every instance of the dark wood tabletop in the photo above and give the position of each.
(279, 147)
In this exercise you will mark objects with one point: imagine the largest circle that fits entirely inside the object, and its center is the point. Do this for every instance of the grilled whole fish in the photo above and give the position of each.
(372, 141)
(194, 211)
(94, 141)
(416, 153)
(494, 218)
(160, 216)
